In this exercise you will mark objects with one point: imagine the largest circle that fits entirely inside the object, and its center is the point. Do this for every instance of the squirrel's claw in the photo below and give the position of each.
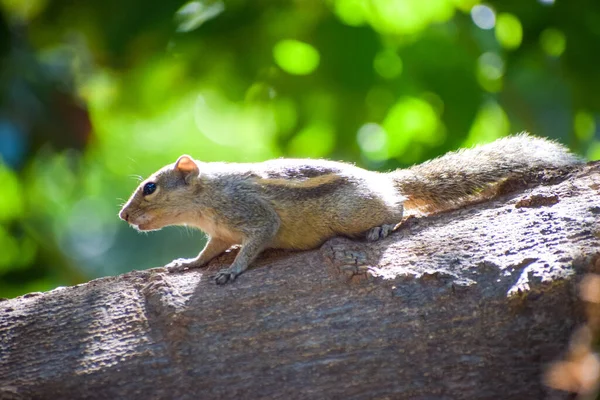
(225, 275)
(380, 232)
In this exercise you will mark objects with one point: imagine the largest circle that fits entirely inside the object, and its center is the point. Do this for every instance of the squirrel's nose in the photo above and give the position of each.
(124, 215)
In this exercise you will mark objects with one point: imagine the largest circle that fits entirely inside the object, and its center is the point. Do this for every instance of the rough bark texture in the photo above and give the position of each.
(466, 304)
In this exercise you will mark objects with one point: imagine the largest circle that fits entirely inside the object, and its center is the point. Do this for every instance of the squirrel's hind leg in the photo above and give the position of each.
(391, 214)
(380, 232)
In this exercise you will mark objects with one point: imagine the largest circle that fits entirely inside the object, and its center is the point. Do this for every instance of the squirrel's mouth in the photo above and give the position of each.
(142, 222)
(140, 227)
(144, 227)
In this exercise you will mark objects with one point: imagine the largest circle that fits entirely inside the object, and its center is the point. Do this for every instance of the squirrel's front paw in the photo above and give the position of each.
(181, 264)
(225, 275)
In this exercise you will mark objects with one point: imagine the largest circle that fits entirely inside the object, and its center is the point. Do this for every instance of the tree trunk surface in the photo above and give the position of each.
(468, 304)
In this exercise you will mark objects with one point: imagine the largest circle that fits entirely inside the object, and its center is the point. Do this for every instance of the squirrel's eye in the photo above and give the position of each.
(149, 188)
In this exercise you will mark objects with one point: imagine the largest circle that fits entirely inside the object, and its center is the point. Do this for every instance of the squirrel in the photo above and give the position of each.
(300, 203)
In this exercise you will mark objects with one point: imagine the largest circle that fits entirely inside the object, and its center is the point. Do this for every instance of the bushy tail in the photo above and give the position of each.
(457, 177)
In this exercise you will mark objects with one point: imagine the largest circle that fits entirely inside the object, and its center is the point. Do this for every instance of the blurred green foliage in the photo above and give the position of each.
(95, 93)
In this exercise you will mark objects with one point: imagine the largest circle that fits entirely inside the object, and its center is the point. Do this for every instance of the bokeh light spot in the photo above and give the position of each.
(230, 124)
(295, 57)
(593, 152)
(388, 64)
(194, 13)
(553, 42)
(490, 70)
(584, 125)
(411, 119)
(316, 140)
(351, 12)
(373, 142)
(483, 16)
(491, 123)
(509, 31)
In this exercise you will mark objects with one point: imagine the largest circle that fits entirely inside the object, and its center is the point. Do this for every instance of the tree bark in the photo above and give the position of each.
(467, 304)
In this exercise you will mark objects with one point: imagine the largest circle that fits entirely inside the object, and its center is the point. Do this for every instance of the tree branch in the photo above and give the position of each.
(471, 303)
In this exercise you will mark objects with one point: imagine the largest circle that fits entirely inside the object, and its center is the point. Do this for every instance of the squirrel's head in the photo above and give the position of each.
(164, 198)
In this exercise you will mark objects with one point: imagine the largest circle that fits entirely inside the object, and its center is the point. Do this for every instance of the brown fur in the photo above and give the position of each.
(298, 204)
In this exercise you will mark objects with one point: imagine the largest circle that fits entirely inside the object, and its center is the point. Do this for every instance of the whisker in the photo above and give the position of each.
(139, 178)
(133, 160)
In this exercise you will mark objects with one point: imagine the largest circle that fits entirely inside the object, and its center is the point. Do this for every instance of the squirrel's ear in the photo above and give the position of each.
(187, 167)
